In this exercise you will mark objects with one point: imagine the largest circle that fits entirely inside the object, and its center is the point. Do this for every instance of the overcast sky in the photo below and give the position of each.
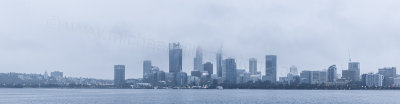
(85, 38)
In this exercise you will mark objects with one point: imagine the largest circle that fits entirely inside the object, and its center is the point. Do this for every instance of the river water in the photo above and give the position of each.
(196, 96)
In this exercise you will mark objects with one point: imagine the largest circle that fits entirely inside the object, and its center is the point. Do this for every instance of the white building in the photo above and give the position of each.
(374, 80)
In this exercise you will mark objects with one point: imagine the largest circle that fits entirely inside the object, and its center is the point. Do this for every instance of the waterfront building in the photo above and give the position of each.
(175, 58)
(332, 73)
(119, 75)
(374, 80)
(270, 68)
(147, 67)
(355, 66)
(389, 73)
(230, 71)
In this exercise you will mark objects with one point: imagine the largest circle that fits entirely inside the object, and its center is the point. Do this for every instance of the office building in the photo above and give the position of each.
(119, 75)
(389, 73)
(270, 68)
(230, 71)
(198, 60)
(219, 62)
(175, 58)
(208, 66)
(374, 80)
(313, 77)
(355, 66)
(253, 66)
(332, 73)
(147, 67)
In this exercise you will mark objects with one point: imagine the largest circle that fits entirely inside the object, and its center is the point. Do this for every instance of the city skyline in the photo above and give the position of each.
(352, 66)
(313, 35)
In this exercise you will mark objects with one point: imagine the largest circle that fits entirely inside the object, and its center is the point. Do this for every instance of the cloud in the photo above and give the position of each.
(86, 38)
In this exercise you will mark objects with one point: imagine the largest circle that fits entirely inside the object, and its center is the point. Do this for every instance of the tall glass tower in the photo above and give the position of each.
(270, 68)
(119, 75)
(175, 58)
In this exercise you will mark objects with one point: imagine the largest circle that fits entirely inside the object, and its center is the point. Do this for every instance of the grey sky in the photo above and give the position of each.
(87, 37)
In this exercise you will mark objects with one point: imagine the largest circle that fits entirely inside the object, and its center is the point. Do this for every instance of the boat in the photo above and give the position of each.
(220, 88)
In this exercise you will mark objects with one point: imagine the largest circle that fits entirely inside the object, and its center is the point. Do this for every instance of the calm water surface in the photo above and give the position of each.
(170, 96)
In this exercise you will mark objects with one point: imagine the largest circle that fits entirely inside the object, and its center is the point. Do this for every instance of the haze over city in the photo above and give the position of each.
(86, 38)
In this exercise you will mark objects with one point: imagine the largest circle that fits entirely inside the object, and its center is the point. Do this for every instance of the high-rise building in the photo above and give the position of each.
(147, 67)
(374, 80)
(175, 58)
(208, 66)
(119, 75)
(355, 66)
(332, 73)
(198, 60)
(219, 63)
(230, 71)
(253, 66)
(270, 68)
(293, 70)
(389, 73)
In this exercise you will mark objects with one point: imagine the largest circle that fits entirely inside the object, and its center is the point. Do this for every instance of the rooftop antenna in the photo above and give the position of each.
(349, 55)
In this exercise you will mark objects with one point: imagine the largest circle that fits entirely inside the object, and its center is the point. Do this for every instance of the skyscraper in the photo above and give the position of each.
(119, 75)
(198, 60)
(355, 66)
(332, 73)
(219, 63)
(270, 68)
(291, 76)
(175, 58)
(230, 71)
(146, 68)
(208, 66)
(253, 66)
